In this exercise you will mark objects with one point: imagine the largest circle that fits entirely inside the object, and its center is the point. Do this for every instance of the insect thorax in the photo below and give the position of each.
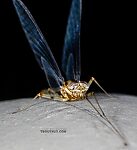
(73, 90)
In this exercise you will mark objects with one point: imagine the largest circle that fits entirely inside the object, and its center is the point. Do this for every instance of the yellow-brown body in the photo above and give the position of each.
(69, 91)
(74, 90)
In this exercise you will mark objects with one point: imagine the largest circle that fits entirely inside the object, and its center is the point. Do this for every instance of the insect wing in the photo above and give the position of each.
(71, 64)
(39, 45)
(53, 80)
(70, 67)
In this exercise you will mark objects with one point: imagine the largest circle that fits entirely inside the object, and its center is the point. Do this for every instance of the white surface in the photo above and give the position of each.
(85, 130)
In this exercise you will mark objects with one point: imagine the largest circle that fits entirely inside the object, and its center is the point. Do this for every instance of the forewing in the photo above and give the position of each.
(70, 69)
(51, 75)
(38, 44)
(72, 43)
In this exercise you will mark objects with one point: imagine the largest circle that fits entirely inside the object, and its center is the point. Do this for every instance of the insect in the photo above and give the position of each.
(72, 89)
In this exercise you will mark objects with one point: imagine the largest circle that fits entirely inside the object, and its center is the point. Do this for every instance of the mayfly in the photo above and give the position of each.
(72, 89)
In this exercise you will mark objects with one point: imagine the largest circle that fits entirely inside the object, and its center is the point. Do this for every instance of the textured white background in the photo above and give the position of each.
(85, 130)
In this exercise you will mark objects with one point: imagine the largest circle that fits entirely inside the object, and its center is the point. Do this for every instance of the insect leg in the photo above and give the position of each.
(94, 80)
(27, 107)
(38, 96)
(103, 116)
(47, 93)
(43, 94)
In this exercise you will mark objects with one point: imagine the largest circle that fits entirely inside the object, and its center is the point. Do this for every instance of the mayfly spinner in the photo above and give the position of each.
(72, 89)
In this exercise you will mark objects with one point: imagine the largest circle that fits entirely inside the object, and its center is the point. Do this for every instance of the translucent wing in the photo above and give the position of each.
(71, 52)
(39, 45)
(51, 75)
